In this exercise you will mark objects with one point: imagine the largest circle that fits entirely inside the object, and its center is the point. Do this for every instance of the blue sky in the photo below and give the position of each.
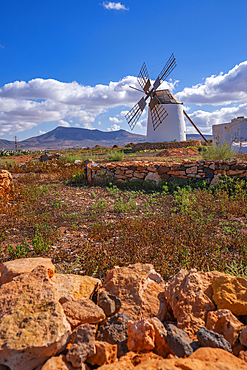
(70, 63)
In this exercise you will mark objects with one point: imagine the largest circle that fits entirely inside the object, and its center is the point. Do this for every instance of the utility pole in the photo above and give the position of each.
(16, 146)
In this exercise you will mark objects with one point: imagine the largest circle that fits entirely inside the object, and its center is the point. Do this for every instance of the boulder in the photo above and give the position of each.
(33, 325)
(189, 294)
(6, 183)
(161, 347)
(72, 287)
(11, 269)
(208, 338)
(243, 336)
(202, 359)
(60, 363)
(225, 323)
(108, 302)
(141, 336)
(114, 331)
(230, 293)
(82, 311)
(106, 353)
(140, 288)
(178, 341)
(83, 344)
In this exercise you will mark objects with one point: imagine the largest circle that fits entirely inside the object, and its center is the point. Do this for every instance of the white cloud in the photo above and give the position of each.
(204, 120)
(24, 105)
(63, 123)
(115, 120)
(41, 132)
(219, 90)
(77, 125)
(99, 122)
(88, 126)
(123, 113)
(113, 128)
(112, 5)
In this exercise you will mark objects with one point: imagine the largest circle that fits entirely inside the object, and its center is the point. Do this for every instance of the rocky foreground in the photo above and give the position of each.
(134, 320)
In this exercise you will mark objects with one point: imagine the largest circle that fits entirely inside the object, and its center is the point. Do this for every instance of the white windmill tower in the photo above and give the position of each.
(165, 112)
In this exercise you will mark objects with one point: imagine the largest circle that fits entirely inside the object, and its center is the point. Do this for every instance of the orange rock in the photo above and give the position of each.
(106, 353)
(225, 323)
(6, 182)
(140, 288)
(141, 336)
(230, 293)
(60, 363)
(83, 311)
(69, 287)
(202, 359)
(161, 348)
(189, 294)
(20, 266)
(33, 326)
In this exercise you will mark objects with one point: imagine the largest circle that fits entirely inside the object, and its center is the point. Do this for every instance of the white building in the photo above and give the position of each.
(173, 126)
(234, 133)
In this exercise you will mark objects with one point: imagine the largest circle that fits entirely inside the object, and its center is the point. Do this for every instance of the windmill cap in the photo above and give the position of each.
(166, 97)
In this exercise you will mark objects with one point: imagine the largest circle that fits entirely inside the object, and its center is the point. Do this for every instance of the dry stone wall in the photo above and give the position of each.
(156, 171)
(166, 145)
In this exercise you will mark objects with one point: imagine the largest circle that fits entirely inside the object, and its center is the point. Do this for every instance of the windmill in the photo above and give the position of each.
(165, 113)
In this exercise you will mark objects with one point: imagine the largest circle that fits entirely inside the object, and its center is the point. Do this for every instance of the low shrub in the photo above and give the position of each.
(116, 155)
(217, 152)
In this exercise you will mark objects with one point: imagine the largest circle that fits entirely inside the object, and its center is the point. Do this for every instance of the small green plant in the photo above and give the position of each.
(217, 152)
(115, 155)
(20, 251)
(237, 269)
(40, 243)
(78, 177)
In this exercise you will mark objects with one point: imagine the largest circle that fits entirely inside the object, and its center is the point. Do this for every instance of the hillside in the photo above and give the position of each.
(72, 137)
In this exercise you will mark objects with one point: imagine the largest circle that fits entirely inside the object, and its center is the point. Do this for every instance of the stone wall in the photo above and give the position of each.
(157, 171)
(166, 145)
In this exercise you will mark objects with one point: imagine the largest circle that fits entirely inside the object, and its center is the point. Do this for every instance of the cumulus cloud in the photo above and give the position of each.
(41, 132)
(24, 105)
(63, 123)
(219, 90)
(115, 120)
(204, 120)
(88, 125)
(113, 128)
(112, 5)
(99, 122)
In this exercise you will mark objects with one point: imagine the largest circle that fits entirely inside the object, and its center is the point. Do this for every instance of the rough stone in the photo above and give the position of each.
(114, 331)
(178, 341)
(109, 303)
(225, 323)
(153, 176)
(69, 287)
(83, 344)
(161, 347)
(11, 269)
(106, 353)
(60, 363)
(243, 336)
(189, 294)
(6, 183)
(230, 293)
(82, 311)
(202, 359)
(33, 326)
(141, 336)
(140, 288)
(208, 338)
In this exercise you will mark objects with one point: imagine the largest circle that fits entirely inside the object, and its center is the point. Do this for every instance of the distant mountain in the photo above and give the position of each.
(72, 137)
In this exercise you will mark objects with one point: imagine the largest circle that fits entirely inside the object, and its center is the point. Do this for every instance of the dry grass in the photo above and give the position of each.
(53, 212)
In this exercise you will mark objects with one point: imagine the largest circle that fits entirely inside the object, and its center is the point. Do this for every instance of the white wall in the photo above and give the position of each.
(235, 131)
(172, 128)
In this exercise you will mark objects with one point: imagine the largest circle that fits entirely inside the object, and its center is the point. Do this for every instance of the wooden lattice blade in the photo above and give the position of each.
(158, 114)
(135, 113)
